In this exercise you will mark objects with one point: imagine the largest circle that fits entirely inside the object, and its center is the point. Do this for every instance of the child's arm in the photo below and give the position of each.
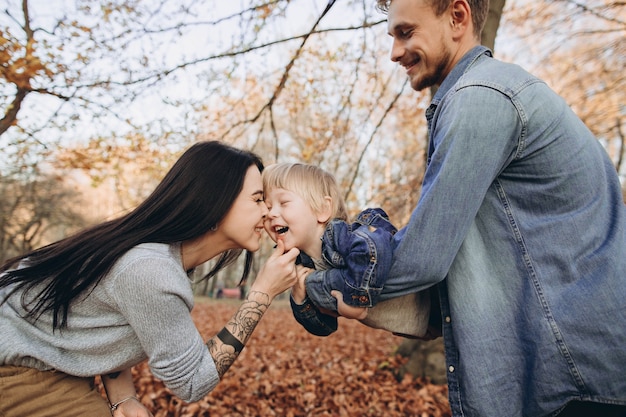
(313, 320)
(298, 291)
(360, 257)
(122, 396)
(305, 312)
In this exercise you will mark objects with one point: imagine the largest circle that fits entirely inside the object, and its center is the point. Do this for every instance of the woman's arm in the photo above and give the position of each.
(122, 396)
(226, 346)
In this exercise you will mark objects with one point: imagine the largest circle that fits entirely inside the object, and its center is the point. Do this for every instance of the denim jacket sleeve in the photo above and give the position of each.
(465, 158)
(360, 257)
(313, 320)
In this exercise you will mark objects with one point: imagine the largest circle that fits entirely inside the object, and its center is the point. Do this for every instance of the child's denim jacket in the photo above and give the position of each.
(358, 256)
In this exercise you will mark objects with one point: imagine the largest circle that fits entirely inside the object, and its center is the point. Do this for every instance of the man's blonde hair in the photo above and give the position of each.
(310, 182)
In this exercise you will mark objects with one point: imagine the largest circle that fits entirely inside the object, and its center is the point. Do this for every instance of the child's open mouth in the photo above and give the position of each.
(281, 230)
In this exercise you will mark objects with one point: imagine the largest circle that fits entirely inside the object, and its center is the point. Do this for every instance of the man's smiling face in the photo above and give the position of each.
(420, 42)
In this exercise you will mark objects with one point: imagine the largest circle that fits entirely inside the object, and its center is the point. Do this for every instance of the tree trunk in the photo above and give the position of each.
(426, 359)
(493, 22)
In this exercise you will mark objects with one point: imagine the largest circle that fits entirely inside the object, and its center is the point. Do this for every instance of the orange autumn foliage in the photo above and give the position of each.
(284, 371)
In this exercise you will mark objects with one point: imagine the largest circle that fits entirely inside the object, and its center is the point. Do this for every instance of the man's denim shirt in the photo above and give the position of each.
(522, 225)
(358, 257)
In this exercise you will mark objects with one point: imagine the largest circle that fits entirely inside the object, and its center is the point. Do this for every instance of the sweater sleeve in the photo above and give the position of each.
(155, 296)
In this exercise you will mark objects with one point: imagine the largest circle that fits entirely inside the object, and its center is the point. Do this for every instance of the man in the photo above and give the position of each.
(521, 225)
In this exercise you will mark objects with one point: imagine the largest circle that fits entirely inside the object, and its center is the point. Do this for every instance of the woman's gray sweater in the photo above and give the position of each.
(140, 310)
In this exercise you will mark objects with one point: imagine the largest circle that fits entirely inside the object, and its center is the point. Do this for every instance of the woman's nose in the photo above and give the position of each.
(272, 213)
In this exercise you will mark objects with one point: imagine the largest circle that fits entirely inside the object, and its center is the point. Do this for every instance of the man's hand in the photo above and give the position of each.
(358, 313)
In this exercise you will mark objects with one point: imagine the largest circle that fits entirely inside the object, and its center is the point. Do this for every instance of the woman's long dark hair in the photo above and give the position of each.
(192, 198)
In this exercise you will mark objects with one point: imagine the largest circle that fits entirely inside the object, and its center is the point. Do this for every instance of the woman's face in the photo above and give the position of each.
(243, 224)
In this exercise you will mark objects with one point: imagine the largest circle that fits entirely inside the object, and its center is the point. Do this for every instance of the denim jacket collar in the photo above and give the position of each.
(458, 70)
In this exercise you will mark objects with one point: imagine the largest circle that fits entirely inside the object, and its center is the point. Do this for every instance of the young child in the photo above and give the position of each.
(306, 211)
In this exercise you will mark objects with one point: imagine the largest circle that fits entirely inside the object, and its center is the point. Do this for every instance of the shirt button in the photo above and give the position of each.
(451, 368)
(448, 319)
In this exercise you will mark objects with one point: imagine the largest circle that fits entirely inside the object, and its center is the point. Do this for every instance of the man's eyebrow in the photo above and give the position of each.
(398, 28)
(394, 29)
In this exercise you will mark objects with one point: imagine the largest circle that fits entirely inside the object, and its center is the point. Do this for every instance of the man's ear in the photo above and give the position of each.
(326, 211)
(460, 18)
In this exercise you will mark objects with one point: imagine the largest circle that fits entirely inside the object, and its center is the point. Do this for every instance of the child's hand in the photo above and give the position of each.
(298, 291)
(350, 312)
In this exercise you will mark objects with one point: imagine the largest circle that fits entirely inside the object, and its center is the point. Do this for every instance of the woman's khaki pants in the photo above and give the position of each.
(27, 392)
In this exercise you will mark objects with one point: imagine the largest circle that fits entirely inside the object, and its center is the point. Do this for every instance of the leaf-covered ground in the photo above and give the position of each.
(284, 371)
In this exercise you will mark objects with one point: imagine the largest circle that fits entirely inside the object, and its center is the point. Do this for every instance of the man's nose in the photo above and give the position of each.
(396, 51)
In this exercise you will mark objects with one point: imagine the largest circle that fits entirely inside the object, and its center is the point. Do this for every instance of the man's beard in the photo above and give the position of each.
(436, 77)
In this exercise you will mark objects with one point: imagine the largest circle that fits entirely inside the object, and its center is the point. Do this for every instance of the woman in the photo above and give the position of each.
(111, 296)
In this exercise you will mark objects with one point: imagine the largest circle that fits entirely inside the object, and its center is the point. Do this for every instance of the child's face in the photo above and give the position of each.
(293, 221)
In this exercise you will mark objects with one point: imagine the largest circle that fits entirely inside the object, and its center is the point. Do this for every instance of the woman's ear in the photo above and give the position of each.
(326, 211)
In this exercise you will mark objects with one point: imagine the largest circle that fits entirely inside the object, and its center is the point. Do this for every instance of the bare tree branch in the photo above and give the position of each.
(373, 134)
(594, 11)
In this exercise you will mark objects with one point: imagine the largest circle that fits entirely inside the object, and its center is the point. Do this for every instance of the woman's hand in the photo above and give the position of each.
(279, 272)
(120, 390)
(132, 408)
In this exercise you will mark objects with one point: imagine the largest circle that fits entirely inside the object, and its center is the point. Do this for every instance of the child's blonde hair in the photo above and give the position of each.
(310, 182)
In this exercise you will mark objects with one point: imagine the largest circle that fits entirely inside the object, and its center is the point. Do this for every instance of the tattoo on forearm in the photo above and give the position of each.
(246, 319)
(241, 326)
(223, 357)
